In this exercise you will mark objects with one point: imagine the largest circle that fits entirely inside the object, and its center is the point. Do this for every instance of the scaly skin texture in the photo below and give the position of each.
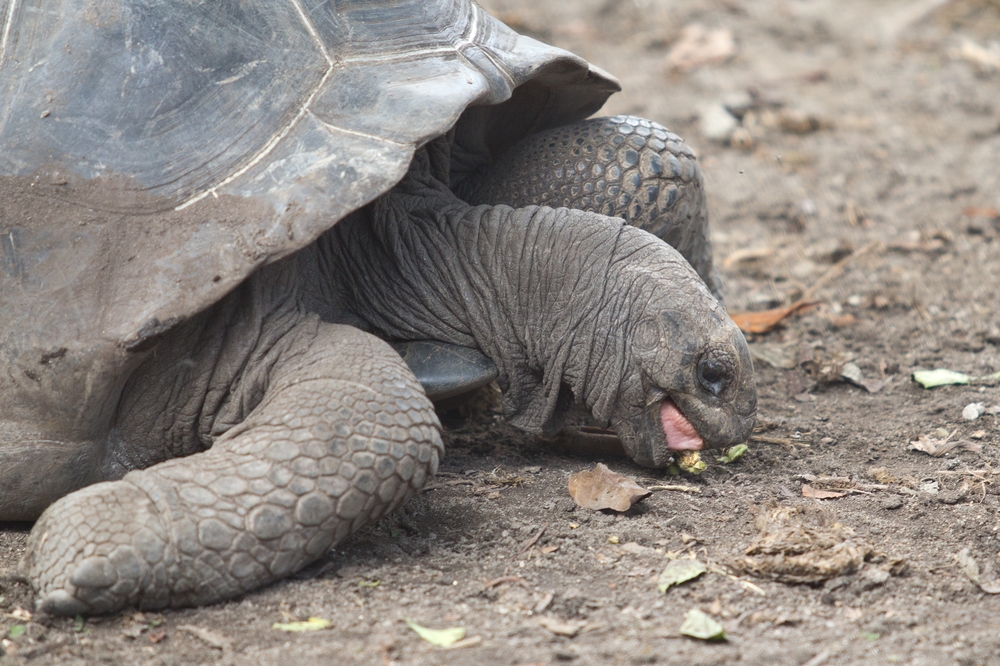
(566, 304)
(337, 441)
(263, 431)
(619, 166)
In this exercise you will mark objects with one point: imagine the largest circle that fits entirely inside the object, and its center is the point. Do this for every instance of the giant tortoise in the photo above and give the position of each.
(216, 216)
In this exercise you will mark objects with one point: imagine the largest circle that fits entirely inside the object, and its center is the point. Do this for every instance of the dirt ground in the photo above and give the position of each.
(865, 176)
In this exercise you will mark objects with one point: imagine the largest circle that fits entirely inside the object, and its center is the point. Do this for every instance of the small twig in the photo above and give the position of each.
(682, 489)
(448, 484)
(465, 642)
(505, 579)
(531, 541)
(208, 637)
(836, 270)
(819, 659)
(45, 649)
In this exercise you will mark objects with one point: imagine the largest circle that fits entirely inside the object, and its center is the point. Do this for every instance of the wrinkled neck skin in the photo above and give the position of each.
(535, 289)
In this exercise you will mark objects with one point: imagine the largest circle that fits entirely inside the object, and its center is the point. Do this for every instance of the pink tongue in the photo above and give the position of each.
(681, 435)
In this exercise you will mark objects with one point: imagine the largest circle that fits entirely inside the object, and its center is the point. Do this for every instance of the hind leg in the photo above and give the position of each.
(343, 435)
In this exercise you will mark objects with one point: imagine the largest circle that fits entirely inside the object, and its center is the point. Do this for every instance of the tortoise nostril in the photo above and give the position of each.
(714, 374)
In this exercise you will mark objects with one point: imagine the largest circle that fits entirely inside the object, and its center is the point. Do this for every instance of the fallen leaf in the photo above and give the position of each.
(796, 121)
(939, 377)
(762, 322)
(844, 320)
(544, 603)
(981, 212)
(699, 625)
(967, 563)
(600, 488)
(815, 493)
(505, 579)
(699, 46)
(312, 624)
(634, 548)
(680, 571)
(937, 447)
(985, 58)
(776, 354)
(733, 453)
(15, 631)
(531, 541)
(467, 642)
(746, 255)
(208, 636)
(852, 373)
(569, 628)
(439, 637)
(157, 636)
(20, 614)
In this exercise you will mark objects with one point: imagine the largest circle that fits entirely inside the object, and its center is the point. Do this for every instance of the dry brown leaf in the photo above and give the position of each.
(569, 628)
(747, 254)
(936, 447)
(987, 212)
(600, 488)
(816, 493)
(699, 46)
(967, 563)
(984, 58)
(762, 322)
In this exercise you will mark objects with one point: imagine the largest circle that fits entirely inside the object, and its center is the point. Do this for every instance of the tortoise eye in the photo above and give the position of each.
(714, 372)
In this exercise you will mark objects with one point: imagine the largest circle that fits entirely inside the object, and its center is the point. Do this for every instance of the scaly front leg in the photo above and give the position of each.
(343, 435)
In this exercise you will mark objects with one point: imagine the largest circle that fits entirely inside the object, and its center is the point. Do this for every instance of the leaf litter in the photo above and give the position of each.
(733, 453)
(699, 46)
(678, 572)
(938, 446)
(567, 628)
(438, 637)
(312, 624)
(944, 377)
(798, 544)
(698, 624)
(600, 488)
(967, 563)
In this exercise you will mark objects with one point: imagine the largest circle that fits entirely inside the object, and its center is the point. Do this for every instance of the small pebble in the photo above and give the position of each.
(951, 496)
(717, 123)
(872, 577)
(738, 103)
(741, 138)
(973, 411)
(892, 503)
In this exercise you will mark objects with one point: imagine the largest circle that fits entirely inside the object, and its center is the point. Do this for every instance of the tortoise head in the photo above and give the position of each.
(688, 378)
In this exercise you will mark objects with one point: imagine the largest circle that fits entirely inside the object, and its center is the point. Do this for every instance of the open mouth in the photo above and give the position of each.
(680, 434)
